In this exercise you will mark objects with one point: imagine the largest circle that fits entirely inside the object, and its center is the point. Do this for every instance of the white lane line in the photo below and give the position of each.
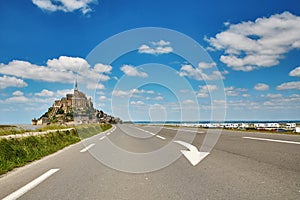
(271, 140)
(30, 185)
(178, 129)
(102, 137)
(111, 131)
(158, 136)
(86, 148)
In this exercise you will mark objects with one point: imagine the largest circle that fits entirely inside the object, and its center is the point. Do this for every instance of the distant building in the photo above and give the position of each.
(43, 121)
(34, 121)
(290, 125)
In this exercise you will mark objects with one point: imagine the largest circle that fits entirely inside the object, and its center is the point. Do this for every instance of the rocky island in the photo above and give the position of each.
(72, 109)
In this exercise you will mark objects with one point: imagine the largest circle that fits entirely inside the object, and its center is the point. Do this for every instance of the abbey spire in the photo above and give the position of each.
(76, 85)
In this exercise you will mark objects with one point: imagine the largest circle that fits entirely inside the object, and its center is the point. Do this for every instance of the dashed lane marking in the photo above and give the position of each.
(86, 148)
(102, 137)
(158, 136)
(179, 129)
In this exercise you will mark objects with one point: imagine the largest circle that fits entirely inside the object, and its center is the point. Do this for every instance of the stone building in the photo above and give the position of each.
(79, 100)
(43, 121)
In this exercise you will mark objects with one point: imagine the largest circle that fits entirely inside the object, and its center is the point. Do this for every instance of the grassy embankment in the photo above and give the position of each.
(18, 152)
(10, 130)
(13, 130)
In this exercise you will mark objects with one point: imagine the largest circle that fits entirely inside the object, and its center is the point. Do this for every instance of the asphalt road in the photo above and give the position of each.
(240, 166)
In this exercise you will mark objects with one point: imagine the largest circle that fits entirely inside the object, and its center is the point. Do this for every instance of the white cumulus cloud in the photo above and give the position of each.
(261, 43)
(205, 65)
(102, 98)
(120, 93)
(295, 72)
(159, 98)
(160, 47)
(101, 68)
(62, 70)
(232, 91)
(199, 74)
(261, 87)
(294, 85)
(27, 70)
(17, 99)
(45, 93)
(272, 96)
(188, 101)
(138, 103)
(131, 92)
(68, 63)
(95, 86)
(8, 81)
(204, 90)
(65, 5)
(132, 71)
(17, 93)
(63, 93)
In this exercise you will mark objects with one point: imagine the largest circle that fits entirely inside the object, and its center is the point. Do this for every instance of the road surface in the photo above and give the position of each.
(242, 165)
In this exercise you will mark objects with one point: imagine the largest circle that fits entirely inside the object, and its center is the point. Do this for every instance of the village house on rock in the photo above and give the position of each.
(75, 108)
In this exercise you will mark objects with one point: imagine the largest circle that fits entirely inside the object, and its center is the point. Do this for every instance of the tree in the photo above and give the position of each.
(60, 111)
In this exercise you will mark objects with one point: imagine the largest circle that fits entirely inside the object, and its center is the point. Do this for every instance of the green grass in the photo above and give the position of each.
(6, 126)
(18, 152)
(13, 130)
(52, 127)
(10, 130)
(85, 131)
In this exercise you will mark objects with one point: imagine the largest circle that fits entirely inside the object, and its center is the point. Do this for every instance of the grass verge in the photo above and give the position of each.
(13, 130)
(10, 130)
(18, 152)
(85, 131)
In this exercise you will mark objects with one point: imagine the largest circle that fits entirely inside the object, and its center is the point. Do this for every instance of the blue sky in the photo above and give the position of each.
(249, 65)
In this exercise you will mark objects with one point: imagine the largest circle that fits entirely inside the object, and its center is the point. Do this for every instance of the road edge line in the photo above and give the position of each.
(272, 140)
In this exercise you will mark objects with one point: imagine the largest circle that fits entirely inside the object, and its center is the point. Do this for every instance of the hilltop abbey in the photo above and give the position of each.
(75, 108)
(77, 103)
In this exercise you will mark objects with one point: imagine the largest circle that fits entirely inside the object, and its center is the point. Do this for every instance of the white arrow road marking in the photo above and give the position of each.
(193, 155)
(30, 185)
(86, 148)
(271, 140)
